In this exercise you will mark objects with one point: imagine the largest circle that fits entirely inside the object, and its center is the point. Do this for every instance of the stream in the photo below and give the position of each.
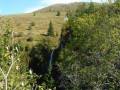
(51, 58)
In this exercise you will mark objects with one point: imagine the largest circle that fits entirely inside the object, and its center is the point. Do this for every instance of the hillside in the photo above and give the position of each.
(22, 22)
(40, 51)
(61, 7)
(64, 7)
(41, 19)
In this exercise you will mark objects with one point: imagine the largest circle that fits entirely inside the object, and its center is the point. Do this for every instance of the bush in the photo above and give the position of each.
(27, 48)
(29, 28)
(34, 14)
(32, 23)
(57, 34)
(30, 39)
(21, 45)
(58, 13)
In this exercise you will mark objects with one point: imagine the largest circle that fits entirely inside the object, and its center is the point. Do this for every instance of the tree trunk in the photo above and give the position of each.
(5, 83)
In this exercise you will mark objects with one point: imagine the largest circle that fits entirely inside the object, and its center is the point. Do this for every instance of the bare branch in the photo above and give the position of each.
(2, 72)
(11, 67)
(12, 46)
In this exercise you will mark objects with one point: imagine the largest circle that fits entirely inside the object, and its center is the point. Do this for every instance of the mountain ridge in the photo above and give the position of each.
(61, 7)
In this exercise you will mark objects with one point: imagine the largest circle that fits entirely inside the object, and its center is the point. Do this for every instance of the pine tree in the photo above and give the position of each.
(91, 8)
(50, 30)
(58, 13)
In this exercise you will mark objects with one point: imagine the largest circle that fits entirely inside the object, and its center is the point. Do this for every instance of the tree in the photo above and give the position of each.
(34, 14)
(90, 58)
(7, 58)
(51, 30)
(49, 81)
(81, 10)
(58, 13)
(91, 8)
(12, 71)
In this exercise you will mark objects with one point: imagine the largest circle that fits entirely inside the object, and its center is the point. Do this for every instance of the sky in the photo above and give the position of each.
(26, 6)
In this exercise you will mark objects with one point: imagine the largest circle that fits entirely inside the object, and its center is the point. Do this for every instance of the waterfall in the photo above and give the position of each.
(61, 38)
(51, 58)
(66, 19)
(61, 46)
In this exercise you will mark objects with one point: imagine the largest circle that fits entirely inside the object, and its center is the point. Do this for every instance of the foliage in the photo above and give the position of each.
(51, 29)
(91, 54)
(57, 34)
(39, 58)
(10, 59)
(58, 13)
(27, 48)
(30, 39)
(32, 23)
(29, 27)
(49, 81)
(91, 8)
(81, 10)
(34, 14)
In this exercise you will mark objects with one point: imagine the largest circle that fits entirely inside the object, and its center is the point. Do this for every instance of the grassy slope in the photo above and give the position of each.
(62, 7)
(43, 16)
(39, 31)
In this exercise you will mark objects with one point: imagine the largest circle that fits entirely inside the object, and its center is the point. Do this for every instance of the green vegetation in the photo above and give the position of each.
(58, 13)
(14, 72)
(84, 55)
(30, 39)
(34, 14)
(90, 59)
(57, 34)
(29, 27)
(32, 23)
(51, 29)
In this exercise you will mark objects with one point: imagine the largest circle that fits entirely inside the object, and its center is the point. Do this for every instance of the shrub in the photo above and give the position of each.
(32, 23)
(30, 39)
(58, 13)
(30, 27)
(34, 14)
(57, 34)
(21, 45)
(27, 48)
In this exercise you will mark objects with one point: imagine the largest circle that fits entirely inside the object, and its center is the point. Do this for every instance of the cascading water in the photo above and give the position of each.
(51, 58)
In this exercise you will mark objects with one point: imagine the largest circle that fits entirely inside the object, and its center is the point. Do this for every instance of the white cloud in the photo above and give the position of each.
(0, 12)
(29, 10)
(50, 2)
(58, 1)
(44, 3)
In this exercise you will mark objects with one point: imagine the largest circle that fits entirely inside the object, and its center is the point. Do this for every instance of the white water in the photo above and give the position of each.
(51, 58)
(66, 18)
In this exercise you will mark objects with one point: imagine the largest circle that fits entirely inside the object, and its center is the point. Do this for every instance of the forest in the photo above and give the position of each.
(86, 58)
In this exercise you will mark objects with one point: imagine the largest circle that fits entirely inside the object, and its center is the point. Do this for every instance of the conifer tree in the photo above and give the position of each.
(58, 13)
(51, 29)
(91, 8)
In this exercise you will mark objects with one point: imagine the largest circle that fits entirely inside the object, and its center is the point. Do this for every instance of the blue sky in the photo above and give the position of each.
(27, 6)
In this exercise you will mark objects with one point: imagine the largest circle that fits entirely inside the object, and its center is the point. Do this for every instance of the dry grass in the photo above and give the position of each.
(21, 23)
